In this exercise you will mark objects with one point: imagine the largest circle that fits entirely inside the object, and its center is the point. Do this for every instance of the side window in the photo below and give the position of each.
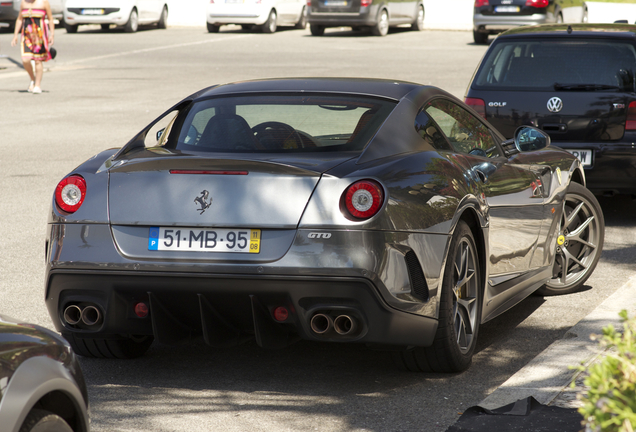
(199, 122)
(429, 131)
(465, 132)
(158, 134)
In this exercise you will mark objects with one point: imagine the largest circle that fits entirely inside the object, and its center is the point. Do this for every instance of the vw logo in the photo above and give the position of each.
(555, 105)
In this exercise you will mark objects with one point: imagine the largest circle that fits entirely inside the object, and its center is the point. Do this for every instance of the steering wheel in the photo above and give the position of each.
(277, 135)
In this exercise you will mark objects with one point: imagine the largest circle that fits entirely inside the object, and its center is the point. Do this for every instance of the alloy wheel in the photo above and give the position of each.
(465, 292)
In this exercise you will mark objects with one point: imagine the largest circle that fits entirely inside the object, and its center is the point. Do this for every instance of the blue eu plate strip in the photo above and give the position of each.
(153, 238)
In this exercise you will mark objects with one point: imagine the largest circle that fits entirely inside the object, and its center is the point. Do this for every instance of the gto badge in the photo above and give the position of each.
(555, 105)
(203, 201)
(314, 235)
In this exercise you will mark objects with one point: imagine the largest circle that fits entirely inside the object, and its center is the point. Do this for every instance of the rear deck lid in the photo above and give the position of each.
(576, 89)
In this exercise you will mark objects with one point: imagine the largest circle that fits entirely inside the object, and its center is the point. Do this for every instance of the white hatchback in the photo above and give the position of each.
(128, 13)
(264, 14)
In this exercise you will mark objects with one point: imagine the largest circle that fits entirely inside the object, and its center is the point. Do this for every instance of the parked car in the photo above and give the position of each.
(339, 210)
(9, 10)
(266, 15)
(574, 82)
(42, 387)
(127, 13)
(376, 15)
(494, 16)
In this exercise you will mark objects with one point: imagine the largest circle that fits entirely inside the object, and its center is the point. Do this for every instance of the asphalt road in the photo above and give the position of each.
(102, 89)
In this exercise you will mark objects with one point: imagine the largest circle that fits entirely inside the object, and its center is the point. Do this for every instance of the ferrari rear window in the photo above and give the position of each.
(574, 64)
(282, 123)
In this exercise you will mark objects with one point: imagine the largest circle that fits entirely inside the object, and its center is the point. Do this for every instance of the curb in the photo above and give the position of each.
(548, 374)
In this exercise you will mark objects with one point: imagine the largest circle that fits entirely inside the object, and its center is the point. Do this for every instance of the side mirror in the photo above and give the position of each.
(528, 138)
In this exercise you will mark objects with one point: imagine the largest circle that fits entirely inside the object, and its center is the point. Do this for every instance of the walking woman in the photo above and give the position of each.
(37, 38)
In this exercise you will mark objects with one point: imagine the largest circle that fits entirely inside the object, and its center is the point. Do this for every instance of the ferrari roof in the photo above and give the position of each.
(392, 89)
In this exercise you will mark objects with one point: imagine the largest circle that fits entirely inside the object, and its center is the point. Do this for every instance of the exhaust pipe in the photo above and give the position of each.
(91, 315)
(345, 325)
(321, 323)
(72, 314)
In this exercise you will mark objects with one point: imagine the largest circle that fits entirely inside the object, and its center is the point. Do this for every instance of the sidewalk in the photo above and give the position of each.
(547, 377)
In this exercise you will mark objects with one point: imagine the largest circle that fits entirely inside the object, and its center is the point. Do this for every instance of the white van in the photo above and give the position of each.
(128, 13)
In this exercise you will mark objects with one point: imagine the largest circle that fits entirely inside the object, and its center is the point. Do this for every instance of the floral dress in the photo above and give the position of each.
(35, 35)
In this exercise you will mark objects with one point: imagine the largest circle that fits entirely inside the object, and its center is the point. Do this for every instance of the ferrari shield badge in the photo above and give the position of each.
(203, 201)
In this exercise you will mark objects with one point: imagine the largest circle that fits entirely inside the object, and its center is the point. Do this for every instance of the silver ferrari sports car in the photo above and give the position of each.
(340, 210)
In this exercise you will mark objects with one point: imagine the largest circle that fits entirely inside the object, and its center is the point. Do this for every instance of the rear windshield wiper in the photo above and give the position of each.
(586, 87)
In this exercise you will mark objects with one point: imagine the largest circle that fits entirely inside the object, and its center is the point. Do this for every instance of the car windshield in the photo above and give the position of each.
(572, 65)
(282, 123)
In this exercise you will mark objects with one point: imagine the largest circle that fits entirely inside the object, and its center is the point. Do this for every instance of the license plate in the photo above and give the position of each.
(204, 240)
(585, 156)
(335, 3)
(507, 9)
(92, 11)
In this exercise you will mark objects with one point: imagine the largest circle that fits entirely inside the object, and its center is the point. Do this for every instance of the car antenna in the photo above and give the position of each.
(569, 29)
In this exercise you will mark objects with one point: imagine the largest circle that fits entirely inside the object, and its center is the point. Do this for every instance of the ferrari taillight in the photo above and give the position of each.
(70, 193)
(480, 3)
(363, 199)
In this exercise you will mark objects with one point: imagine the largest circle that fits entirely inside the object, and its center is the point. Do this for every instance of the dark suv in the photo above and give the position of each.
(574, 82)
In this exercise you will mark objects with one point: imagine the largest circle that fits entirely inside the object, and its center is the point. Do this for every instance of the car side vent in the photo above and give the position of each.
(419, 289)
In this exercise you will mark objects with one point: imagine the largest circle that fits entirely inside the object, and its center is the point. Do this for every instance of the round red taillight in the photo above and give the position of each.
(364, 199)
(70, 193)
(141, 310)
(281, 313)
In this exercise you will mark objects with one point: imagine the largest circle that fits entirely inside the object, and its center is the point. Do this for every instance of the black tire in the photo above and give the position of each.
(105, 27)
(479, 37)
(316, 30)
(163, 19)
(123, 348)
(213, 28)
(70, 28)
(418, 24)
(44, 421)
(133, 22)
(579, 242)
(302, 21)
(381, 28)
(459, 312)
(270, 25)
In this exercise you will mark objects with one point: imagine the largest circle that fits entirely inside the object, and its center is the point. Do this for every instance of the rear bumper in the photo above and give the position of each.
(238, 14)
(361, 274)
(500, 23)
(613, 169)
(119, 17)
(366, 16)
(227, 309)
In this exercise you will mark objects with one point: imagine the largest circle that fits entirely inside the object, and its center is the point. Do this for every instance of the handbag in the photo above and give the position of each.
(53, 52)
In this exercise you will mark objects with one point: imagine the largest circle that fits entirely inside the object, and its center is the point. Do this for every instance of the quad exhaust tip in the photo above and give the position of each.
(321, 323)
(72, 314)
(344, 325)
(89, 315)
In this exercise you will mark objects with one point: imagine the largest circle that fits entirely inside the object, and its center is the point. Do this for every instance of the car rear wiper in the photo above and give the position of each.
(586, 87)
